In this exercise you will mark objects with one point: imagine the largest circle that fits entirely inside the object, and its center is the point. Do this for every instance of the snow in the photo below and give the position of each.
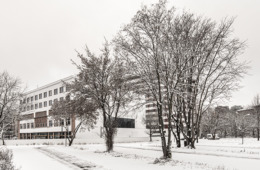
(29, 158)
(223, 154)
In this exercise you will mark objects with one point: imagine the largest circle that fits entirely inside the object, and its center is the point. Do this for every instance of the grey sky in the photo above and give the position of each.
(38, 38)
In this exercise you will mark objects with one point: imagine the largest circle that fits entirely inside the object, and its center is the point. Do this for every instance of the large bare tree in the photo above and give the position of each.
(147, 45)
(105, 81)
(186, 62)
(10, 94)
(213, 68)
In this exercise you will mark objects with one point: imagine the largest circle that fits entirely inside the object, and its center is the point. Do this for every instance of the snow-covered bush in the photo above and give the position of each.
(6, 159)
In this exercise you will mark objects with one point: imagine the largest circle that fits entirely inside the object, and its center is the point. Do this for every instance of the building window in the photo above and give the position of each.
(45, 94)
(62, 122)
(50, 102)
(50, 93)
(28, 99)
(41, 122)
(28, 108)
(32, 125)
(28, 125)
(125, 123)
(36, 106)
(36, 97)
(21, 126)
(24, 109)
(68, 122)
(40, 96)
(31, 107)
(67, 88)
(55, 100)
(55, 91)
(61, 89)
(45, 104)
(24, 126)
(50, 123)
(31, 99)
(40, 105)
(61, 98)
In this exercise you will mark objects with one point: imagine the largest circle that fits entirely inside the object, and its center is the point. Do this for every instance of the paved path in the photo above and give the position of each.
(30, 158)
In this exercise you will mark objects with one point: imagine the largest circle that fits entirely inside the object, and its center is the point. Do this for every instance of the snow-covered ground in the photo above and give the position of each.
(223, 154)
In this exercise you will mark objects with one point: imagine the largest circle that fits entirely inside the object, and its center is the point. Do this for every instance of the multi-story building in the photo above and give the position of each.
(152, 114)
(36, 121)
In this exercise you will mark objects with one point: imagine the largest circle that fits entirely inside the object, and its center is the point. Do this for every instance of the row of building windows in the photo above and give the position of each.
(150, 105)
(42, 124)
(41, 104)
(26, 125)
(48, 135)
(42, 95)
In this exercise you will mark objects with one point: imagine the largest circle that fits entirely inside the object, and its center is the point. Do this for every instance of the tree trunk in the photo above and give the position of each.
(109, 142)
(109, 137)
(179, 138)
(258, 133)
(71, 141)
(151, 135)
(192, 144)
(3, 140)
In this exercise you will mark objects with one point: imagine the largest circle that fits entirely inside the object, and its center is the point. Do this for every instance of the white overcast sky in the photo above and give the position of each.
(38, 38)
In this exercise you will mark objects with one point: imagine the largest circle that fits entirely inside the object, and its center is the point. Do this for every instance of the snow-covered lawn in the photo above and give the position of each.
(220, 154)
(29, 158)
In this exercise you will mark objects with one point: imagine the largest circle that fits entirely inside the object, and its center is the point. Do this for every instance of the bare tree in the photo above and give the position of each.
(215, 120)
(244, 125)
(233, 119)
(256, 107)
(213, 70)
(186, 62)
(10, 94)
(79, 109)
(104, 80)
(148, 47)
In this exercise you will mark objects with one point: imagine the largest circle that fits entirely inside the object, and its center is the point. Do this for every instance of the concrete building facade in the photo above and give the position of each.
(35, 108)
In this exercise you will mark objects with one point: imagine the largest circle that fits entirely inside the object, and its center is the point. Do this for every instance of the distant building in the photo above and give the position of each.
(151, 113)
(36, 121)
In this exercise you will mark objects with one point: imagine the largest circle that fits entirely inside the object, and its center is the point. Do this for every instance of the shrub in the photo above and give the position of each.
(6, 159)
